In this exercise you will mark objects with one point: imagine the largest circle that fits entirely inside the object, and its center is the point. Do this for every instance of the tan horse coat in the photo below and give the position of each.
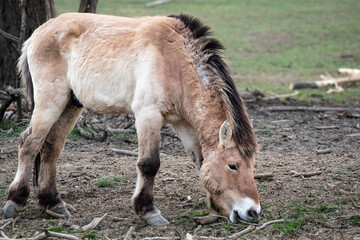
(161, 69)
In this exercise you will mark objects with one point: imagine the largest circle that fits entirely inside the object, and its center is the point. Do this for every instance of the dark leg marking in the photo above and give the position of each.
(49, 197)
(148, 167)
(20, 195)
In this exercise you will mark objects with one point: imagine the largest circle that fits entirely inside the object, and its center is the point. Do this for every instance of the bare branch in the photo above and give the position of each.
(268, 223)
(326, 127)
(324, 151)
(93, 136)
(9, 36)
(128, 234)
(310, 174)
(264, 176)
(93, 223)
(60, 235)
(53, 214)
(250, 228)
(348, 217)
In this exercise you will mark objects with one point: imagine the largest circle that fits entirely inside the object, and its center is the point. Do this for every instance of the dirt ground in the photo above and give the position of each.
(288, 142)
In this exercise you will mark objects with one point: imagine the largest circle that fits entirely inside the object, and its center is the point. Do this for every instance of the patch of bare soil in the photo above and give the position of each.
(288, 143)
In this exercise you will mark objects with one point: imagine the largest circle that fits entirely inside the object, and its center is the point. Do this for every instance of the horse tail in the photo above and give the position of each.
(26, 79)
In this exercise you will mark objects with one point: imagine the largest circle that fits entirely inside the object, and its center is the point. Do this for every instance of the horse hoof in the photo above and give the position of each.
(61, 211)
(156, 220)
(10, 210)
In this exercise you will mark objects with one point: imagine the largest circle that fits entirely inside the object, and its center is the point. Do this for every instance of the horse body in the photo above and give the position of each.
(161, 69)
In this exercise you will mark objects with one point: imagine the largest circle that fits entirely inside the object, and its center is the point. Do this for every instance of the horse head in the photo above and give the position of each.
(228, 178)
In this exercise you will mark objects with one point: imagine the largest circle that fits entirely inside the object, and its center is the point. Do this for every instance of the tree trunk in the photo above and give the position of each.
(88, 6)
(38, 12)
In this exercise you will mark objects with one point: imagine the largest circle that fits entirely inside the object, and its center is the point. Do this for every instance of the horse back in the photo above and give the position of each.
(112, 64)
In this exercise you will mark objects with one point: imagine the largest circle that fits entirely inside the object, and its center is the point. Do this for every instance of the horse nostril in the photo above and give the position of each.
(252, 214)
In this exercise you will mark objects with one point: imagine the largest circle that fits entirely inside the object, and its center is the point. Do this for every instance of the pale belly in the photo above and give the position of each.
(103, 90)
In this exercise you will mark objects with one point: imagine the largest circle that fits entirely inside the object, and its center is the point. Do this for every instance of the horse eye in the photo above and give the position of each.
(232, 167)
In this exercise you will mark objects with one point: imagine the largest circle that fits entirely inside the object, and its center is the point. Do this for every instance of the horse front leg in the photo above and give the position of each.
(148, 124)
(190, 141)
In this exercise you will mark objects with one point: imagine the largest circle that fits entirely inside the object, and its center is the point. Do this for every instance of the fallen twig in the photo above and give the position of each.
(53, 214)
(296, 174)
(264, 175)
(354, 204)
(196, 229)
(3, 235)
(326, 127)
(70, 207)
(324, 151)
(93, 223)
(354, 135)
(93, 136)
(250, 228)
(348, 217)
(44, 235)
(311, 109)
(117, 219)
(268, 223)
(352, 76)
(13, 224)
(60, 235)
(128, 234)
(7, 223)
(125, 152)
(161, 238)
(120, 130)
(281, 96)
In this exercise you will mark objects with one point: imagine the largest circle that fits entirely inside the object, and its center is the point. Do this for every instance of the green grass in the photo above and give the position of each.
(111, 182)
(30, 212)
(18, 128)
(269, 44)
(91, 236)
(56, 228)
(195, 213)
(74, 135)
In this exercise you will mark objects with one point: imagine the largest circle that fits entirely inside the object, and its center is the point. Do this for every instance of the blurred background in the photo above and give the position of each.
(270, 44)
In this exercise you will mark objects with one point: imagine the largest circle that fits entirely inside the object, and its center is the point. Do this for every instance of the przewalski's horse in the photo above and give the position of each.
(161, 69)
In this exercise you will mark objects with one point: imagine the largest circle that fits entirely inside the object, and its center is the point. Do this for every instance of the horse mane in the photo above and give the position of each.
(242, 130)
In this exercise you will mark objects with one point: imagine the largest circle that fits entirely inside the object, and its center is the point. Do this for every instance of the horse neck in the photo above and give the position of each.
(206, 116)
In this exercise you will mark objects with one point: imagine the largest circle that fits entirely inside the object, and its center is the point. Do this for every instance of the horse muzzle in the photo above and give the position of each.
(245, 209)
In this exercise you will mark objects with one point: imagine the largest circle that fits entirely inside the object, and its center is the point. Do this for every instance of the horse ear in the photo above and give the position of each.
(225, 134)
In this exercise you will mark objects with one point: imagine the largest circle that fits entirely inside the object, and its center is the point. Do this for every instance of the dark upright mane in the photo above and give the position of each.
(243, 133)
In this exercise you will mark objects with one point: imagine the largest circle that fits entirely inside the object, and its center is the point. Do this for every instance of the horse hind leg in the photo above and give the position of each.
(45, 114)
(48, 195)
(148, 124)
